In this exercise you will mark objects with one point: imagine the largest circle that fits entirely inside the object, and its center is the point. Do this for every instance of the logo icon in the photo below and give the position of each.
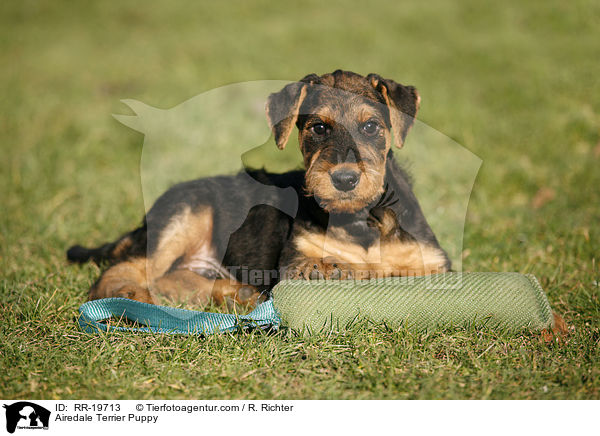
(26, 415)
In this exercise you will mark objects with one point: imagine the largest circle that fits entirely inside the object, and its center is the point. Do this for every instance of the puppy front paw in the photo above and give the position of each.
(317, 269)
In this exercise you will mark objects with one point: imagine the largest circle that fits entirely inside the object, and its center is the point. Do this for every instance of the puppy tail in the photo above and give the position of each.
(131, 244)
(79, 254)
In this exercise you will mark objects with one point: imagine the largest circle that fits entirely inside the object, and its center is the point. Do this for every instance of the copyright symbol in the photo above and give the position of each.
(139, 407)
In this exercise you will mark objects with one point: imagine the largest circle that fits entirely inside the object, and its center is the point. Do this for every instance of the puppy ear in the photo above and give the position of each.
(403, 102)
(282, 111)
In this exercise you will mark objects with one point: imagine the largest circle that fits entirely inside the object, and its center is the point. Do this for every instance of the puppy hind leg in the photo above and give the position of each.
(185, 286)
(133, 278)
(231, 292)
(130, 280)
(126, 279)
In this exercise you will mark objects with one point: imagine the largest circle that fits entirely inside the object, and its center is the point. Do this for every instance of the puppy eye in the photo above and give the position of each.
(319, 128)
(370, 128)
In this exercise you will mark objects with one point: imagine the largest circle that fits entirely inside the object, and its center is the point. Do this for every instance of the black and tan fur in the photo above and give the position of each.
(357, 216)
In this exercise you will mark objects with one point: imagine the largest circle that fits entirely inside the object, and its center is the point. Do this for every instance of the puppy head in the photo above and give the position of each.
(345, 123)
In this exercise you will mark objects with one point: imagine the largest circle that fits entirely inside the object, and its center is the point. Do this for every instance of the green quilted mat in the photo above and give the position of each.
(510, 301)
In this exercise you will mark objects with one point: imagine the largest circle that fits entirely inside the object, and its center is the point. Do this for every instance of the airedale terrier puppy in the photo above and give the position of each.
(356, 214)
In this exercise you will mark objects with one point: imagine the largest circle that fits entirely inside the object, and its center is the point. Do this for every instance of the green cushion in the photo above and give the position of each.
(510, 301)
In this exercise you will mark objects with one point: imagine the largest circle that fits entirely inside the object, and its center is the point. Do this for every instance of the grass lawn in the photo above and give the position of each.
(516, 83)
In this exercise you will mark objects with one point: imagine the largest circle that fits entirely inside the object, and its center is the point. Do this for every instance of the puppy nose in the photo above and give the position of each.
(345, 179)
